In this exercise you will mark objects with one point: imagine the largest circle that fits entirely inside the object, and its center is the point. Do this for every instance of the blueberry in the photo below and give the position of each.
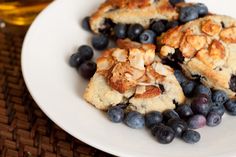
(135, 120)
(213, 119)
(180, 76)
(201, 89)
(230, 106)
(164, 134)
(200, 105)
(178, 125)
(196, 122)
(219, 96)
(120, 31)
(171, 24)
(191, 136)
(154, 128)
(202, 9)
(218, 108)
(184, 111)
(85, 23)
(86, 52)
(174, 2)
(170, 114)
(178, 56)
(158, 27)
(76, 60)
(153, 118)
(116, 114)
(188, 13)
(232, 83)
(147, 37)
(100, 42)
(188, 87)
(134, 31)
(87, 69)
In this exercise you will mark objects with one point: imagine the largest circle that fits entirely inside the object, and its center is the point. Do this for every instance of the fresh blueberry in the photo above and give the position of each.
(188, 13)
(170, 114)
(76, 60)
(178, 125)
(100, 42)
(134, 31)
(219, 96)
(188, 87)
(213, 119)
(230, 106)
(232, 82)
(153, 118)
(147, 37)
(171, 24)
(184, 111)
(154, 128)
(173, 2)
(116, 114)
(196, 122)
(164, 134)
(158, 27)
(135, 120)
(85, 23)
(201, 89)
(191, 136)
(87, 69)
(120, 31)
(86, 52)
(200, 105)
(218, 108)
(202, 9)
(180, 76)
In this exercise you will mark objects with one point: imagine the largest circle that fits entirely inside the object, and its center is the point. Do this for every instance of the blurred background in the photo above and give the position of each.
(25, 131)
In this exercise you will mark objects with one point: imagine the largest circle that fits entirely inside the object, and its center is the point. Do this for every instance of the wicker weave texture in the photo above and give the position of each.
(25, 131)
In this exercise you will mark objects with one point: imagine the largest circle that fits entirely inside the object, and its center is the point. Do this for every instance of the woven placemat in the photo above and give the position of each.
(25, 131)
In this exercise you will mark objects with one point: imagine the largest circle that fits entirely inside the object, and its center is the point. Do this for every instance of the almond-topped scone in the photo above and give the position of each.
(131, 12)
(205, 48)
(133, 76)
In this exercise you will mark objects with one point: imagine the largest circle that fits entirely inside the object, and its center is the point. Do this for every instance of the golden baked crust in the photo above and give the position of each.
(136, 77)
(132, 11)
(208, 47)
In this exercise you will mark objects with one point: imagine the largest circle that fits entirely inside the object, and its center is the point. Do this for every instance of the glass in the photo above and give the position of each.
(21, 12)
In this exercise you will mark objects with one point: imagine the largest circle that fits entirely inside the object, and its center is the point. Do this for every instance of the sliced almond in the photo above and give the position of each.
(217, 50)
(104, 63)
(166, 50)
(186, 48)
(120, 55)
(197, 41)
(119, 78)
(151, 91)
(228, 35)
(211, 28)
(136, 58)
(173, 37)
(149, 56)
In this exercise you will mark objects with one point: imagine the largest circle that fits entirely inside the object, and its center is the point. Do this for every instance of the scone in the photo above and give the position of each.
(136, 77)
(131, 12)
(205, 48)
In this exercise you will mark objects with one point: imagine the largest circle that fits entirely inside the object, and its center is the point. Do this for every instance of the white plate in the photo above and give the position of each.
(58, 89)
